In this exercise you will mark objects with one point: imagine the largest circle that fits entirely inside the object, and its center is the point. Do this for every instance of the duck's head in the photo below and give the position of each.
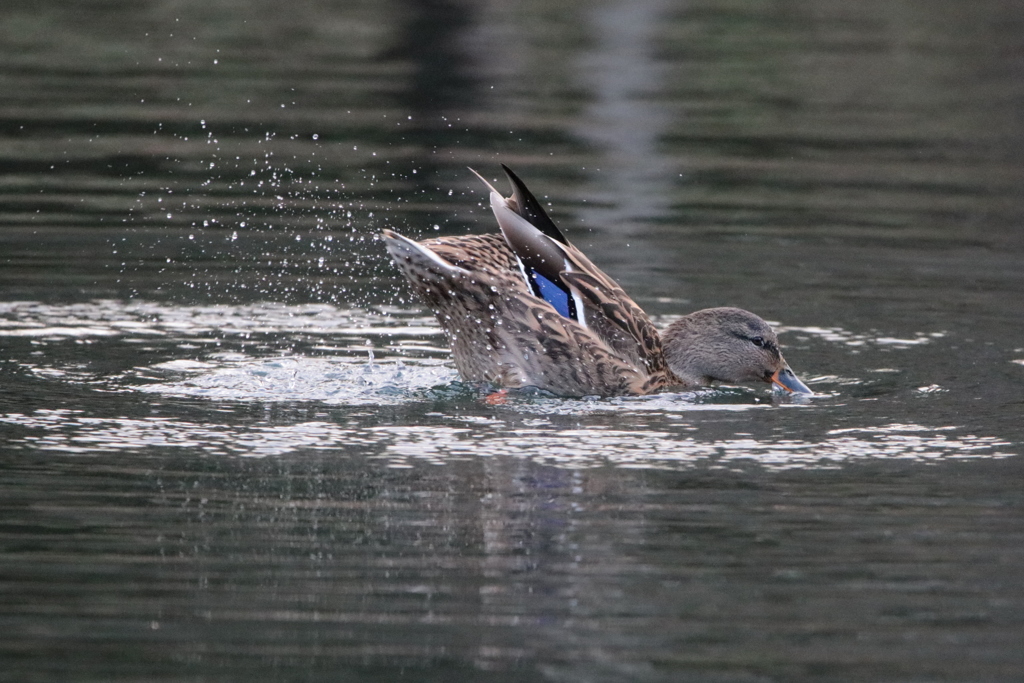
(727, 345)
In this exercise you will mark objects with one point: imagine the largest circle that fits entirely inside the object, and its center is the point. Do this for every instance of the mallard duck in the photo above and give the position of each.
(525, 308)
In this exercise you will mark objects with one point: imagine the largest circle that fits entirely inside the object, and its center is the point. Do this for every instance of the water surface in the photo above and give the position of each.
(233, 445)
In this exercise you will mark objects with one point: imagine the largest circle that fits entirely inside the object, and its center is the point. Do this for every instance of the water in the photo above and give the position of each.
(233, 446)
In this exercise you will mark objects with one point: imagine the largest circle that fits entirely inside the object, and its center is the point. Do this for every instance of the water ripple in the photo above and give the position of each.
(355, 358)
(113, 318)
(276, 352)
(404, 446)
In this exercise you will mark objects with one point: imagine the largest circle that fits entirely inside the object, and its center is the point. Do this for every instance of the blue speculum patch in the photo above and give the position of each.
(554, 294)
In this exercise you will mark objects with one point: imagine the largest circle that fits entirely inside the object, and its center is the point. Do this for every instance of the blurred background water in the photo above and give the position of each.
(233, 444)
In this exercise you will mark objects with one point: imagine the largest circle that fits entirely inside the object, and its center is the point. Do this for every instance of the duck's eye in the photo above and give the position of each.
(757, 341)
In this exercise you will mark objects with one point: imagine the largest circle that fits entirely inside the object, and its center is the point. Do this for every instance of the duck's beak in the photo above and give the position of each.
(785, 378)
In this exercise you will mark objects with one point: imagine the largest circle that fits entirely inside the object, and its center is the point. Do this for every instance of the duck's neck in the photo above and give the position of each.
(681, 344)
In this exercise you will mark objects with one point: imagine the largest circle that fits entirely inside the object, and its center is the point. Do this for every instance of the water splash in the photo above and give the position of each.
(344, 381)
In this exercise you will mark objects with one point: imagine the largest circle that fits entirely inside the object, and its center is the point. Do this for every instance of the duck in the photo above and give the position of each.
(523, 307)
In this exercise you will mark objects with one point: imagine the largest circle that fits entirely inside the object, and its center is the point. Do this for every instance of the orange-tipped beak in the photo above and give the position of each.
(785, 378)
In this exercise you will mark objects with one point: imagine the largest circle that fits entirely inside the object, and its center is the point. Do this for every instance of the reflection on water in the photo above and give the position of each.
(388, 558)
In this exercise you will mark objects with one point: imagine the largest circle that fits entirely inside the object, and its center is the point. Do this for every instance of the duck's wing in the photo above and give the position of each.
(499, 331)
(562, 275)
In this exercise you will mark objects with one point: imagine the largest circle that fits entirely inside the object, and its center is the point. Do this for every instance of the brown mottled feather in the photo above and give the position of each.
(501, 333)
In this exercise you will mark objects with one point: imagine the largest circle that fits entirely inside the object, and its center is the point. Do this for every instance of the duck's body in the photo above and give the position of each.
(525, 308)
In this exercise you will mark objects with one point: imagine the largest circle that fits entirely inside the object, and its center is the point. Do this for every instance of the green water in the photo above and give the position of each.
(232, 444)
